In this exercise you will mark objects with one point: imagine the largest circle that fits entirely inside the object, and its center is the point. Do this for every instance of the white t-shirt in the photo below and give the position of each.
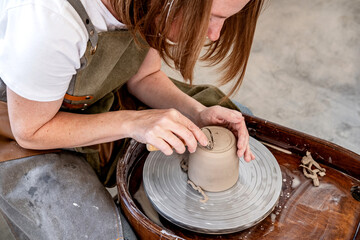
(41, 43)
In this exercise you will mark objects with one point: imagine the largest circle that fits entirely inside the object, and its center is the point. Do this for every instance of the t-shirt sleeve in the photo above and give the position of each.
(40, 51)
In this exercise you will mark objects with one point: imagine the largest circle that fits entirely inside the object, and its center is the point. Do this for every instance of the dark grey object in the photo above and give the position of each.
(57, 196)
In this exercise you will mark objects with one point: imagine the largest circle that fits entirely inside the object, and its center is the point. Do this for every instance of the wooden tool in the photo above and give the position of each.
(151, 148)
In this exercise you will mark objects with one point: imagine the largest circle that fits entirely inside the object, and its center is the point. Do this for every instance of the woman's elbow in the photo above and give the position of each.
(25, 139)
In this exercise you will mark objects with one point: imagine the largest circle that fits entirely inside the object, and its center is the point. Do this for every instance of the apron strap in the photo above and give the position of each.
(93, 35)
(93, 39)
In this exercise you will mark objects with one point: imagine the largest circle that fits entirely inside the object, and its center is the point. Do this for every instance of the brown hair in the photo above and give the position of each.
(153, 19)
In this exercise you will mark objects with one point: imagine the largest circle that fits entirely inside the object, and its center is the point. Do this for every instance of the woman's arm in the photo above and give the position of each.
(40, 125)
(157, 91)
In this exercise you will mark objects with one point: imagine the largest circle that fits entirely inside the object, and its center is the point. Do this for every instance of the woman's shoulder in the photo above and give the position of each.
(51, 11)
(46, 41)
(16, 5)
(43, 20)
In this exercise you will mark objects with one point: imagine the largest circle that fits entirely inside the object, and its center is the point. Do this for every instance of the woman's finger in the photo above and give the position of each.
(174, 141)
(243, 138)
(219, 115)
(163, 146)
(252, 156)
(190, 133)
(199, 135)
(248, 154)
(180, 130)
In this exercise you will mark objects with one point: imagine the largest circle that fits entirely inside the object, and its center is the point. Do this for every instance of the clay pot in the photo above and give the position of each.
(217, 169)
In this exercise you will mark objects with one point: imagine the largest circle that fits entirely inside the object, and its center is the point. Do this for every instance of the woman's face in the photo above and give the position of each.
(220, 11)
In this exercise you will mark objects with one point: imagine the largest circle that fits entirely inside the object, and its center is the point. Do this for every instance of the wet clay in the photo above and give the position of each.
(307, 163)
(215, 169)
(197, 188)
(184, 167)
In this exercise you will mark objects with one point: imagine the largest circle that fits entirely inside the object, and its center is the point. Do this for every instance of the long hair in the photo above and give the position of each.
(153, 19)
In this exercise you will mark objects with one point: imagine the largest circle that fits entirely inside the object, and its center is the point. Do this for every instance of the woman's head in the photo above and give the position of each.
(228, 24)
(220, 11)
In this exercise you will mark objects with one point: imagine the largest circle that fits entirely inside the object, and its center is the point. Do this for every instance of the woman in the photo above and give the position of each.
(67, 68)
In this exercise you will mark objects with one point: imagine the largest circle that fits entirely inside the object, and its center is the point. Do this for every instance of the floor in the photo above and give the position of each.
(304, 70)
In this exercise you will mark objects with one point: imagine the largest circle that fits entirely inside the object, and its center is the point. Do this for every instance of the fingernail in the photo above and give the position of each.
(205, 143)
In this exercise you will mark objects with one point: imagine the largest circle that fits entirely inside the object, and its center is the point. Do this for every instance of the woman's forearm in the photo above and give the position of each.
(40, 125)
(158, 91)
(68, 130)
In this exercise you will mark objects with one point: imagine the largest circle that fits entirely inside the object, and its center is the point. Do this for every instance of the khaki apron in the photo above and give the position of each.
(110, 60)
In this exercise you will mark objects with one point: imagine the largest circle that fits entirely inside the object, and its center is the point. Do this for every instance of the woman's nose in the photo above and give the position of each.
(214, 31)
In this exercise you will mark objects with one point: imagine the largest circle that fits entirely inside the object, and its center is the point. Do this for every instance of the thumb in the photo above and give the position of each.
(229, 115)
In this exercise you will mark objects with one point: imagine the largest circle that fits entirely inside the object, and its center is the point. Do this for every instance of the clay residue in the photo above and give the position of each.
(199, 189)
(295, 182)
(307, 164)
(184, 167)
(184, 164)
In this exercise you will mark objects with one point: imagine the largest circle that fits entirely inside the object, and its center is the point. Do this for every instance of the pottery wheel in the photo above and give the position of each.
(245, 204)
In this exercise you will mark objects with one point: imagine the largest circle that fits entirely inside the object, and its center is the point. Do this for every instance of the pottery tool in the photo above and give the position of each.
(248, 202)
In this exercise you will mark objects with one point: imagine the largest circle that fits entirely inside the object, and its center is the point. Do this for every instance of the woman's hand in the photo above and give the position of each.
(166, 129)
(234, 121)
